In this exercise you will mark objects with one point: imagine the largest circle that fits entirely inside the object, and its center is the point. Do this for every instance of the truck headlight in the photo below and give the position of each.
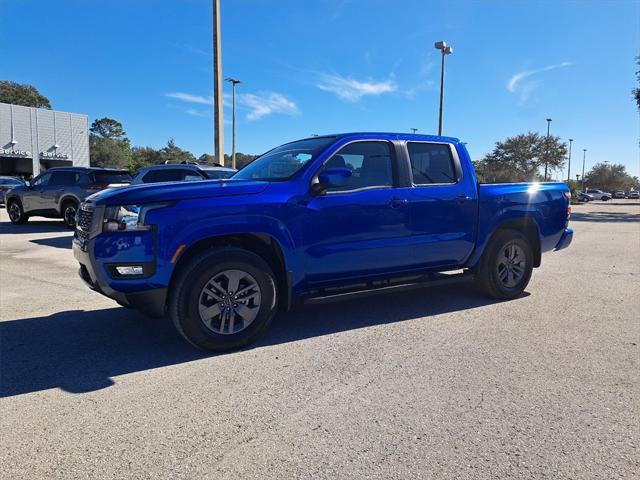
(124, 218)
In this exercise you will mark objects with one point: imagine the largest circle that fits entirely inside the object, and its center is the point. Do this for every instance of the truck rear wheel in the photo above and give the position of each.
(506, 265)
(223, 299)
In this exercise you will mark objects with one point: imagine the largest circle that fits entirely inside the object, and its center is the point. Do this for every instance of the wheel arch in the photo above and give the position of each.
(68, 198)
(264, 245)
(529, 228)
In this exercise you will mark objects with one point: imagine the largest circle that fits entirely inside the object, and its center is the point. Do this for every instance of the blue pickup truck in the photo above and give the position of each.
(315, 220)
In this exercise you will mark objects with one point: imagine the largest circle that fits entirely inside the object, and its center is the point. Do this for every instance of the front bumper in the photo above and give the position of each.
(565, 240)
(142, 294)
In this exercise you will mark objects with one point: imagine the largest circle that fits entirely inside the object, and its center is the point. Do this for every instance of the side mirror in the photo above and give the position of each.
(332, 178)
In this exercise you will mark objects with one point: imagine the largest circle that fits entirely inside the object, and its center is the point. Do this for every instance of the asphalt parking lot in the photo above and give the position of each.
(439, 383)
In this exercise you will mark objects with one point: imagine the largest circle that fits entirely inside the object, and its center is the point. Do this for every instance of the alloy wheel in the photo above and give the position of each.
(511, 265)
(70, 216)
(229, 302)
(14, 212)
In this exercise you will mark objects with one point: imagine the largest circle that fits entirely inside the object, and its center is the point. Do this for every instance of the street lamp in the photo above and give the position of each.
(233, 82)
(446, 50)
(546, 163)
(218, 124)
(584, 157)
(569, 166)
(414, 130)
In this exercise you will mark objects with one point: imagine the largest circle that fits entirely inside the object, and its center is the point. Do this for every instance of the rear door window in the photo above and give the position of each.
(63, 178)
(431, 163)
(112, 177)
(163, 175)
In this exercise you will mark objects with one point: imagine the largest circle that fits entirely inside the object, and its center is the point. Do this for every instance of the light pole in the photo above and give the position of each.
(546, 162)
(584, 158)
(569, 166)
(446, 50)
(414, 130)
(218, 133)
(233, 82)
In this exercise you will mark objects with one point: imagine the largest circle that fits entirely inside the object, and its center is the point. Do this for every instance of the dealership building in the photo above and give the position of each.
(33, 140)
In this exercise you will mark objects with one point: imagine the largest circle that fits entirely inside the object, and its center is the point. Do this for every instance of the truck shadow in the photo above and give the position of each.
(80, 351)
(56, 242)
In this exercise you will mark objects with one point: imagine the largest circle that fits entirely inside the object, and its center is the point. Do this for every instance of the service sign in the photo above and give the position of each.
(54, 156)
(12, 152)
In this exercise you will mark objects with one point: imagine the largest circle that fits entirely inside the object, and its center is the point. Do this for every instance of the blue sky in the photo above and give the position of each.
(336, 65)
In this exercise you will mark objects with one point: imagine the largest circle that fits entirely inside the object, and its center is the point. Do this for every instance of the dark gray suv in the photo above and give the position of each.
(57, 192)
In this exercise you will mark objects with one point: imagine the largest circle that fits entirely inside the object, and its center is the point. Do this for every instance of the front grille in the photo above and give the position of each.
(84, 219)
(83, 223)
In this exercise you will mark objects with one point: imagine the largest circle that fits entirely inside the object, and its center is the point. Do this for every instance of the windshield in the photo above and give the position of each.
(284, 161)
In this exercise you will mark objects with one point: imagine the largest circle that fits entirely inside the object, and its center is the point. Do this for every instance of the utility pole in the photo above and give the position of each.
(446, 50)
(414, 130)
(234, 82)
(546, 162)
(584, 157)
(218, 126)
(569, 166)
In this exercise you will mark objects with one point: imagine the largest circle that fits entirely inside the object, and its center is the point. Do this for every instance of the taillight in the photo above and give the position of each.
(568, 197)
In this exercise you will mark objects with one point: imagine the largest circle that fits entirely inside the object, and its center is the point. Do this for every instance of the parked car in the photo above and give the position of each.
(57, 192)
(634, 194)
(598, 194)
(181, 172)
(315, 220)
(6, 184)
(619, 194)
(584, 197)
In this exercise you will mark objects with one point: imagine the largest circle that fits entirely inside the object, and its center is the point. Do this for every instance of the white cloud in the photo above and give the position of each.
(265, 104)
(520, 84)
(353, 90)
(195, 112)
(259, 105)
(189, 98)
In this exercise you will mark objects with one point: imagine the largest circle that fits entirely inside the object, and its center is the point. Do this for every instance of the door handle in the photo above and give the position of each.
(463, 198)
(397, 202)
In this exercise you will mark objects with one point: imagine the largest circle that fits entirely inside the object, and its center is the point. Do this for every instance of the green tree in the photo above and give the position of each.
(108, 144)
(206, 158)
(521, 158)
(108, 128)
(636, 91)
(610, 177)
(143, 157)
(22, 94)
(174, 154)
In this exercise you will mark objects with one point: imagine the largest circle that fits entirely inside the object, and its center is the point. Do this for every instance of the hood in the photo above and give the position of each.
(164, 192)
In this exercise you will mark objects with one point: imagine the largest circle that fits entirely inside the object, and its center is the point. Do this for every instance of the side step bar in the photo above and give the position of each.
(323, 296)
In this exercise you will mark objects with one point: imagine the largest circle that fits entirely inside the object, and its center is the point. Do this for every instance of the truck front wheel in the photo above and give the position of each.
(223, 299)
(506, 265)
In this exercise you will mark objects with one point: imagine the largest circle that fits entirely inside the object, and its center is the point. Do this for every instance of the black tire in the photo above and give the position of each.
(187, 290)
(16, 213)
(491, 267)
(69, 209)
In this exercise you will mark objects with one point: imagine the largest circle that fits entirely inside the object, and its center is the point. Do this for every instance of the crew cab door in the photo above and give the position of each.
(442, 205)
(359, 229)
